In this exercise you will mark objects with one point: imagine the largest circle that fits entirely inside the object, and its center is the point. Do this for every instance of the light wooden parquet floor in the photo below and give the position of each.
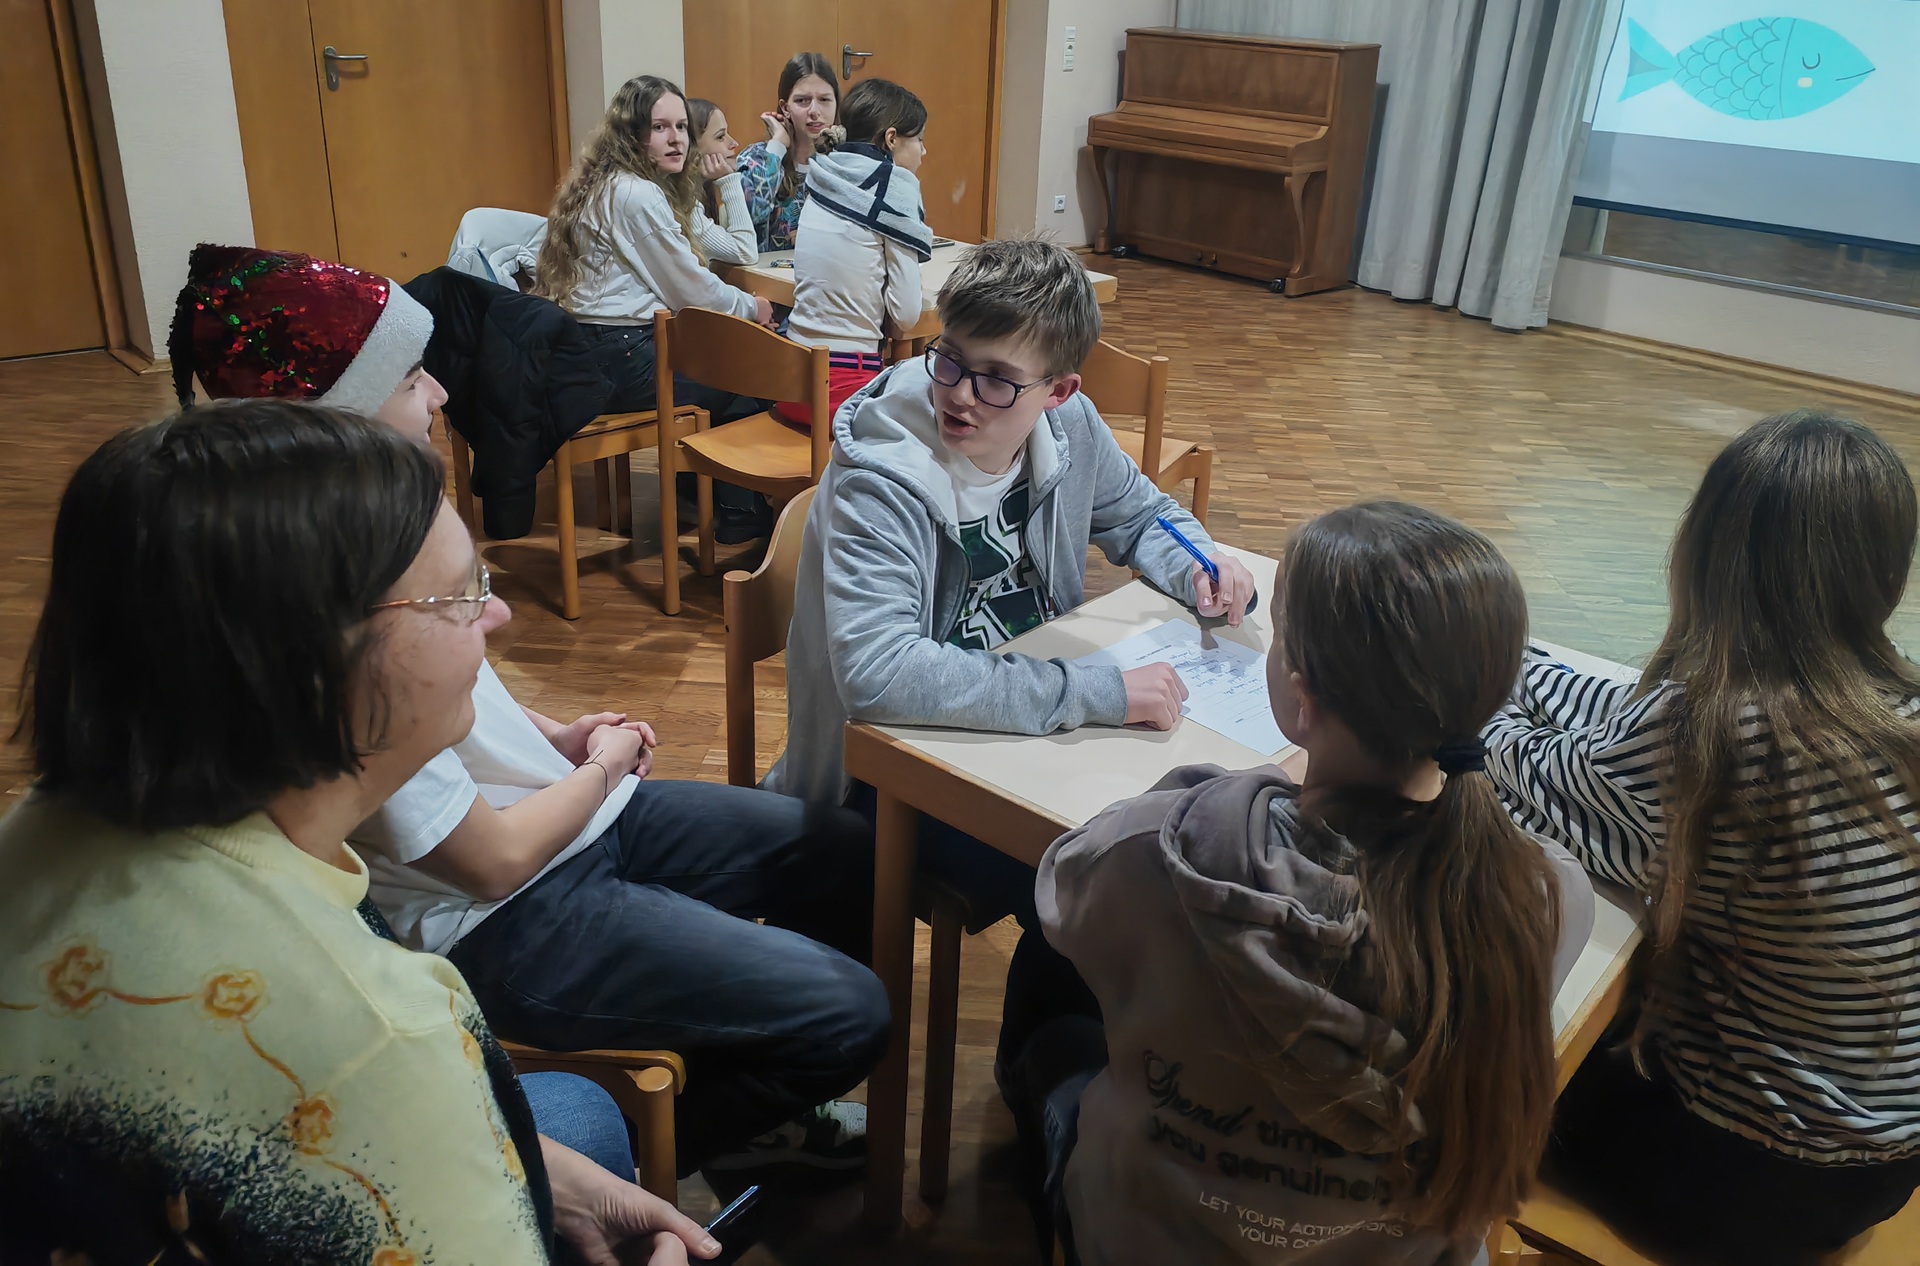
(1575, 458)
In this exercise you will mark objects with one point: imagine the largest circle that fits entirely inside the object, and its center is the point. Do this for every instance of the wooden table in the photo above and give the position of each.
(1020, 793)
(771, 278)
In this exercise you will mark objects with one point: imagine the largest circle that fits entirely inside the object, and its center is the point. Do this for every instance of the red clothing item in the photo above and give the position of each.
(847, 372)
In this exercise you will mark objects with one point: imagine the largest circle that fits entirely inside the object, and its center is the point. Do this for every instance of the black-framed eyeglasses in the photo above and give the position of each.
(466, 606)
(992, 391)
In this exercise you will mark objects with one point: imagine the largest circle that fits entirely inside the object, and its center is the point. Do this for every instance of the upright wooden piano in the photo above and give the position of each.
(1238, 153)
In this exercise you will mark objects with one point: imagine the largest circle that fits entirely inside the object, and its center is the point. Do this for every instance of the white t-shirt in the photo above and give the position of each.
(504, 759)
(1003, 590)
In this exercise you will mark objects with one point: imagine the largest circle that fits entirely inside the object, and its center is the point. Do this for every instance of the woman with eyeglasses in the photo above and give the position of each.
(262, 619)
(586, 904)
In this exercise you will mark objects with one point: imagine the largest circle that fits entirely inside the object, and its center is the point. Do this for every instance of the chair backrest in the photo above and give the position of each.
(741, 356)
(1120, 383)
(758, 607)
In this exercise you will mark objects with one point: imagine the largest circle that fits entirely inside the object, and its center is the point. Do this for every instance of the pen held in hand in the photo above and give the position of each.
(1180, 539)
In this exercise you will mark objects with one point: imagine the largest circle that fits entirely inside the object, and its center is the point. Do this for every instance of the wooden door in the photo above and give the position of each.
(946, 51)
(46, 259)
(451, 110)
(453, 107)
(736, 49)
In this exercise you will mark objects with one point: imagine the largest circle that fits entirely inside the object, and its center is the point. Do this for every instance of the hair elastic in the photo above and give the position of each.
(1464, 756)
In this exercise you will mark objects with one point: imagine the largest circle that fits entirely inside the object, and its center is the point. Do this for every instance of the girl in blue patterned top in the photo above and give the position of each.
(776, 168)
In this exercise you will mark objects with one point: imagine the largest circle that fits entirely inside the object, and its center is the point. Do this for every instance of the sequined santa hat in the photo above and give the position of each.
(255, 323)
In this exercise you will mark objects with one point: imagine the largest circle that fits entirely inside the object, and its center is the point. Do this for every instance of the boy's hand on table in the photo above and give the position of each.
(1235, 591)
(1154, 695)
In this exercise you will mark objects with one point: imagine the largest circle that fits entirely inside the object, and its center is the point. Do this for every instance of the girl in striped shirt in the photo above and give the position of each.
(1755, 786)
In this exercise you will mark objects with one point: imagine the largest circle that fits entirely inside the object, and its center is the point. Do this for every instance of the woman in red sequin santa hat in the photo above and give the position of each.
(252, 323)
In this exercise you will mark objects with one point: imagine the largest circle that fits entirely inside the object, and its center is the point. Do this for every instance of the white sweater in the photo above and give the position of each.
(852, 287)
(639, 259)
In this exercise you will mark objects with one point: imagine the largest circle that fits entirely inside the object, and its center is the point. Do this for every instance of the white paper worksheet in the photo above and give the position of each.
(1226, 683)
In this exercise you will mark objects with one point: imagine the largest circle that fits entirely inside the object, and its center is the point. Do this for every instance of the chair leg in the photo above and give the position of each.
(705, 504)
(623, 495)
(704, 484)
(564, 527)
(658, 1163)
(603, 512)
(1202, 482)
(462, 477)
(669, 523)
(943, 1035)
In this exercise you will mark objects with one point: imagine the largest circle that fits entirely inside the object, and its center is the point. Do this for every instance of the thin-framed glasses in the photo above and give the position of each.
(467, 606)
(994, 392)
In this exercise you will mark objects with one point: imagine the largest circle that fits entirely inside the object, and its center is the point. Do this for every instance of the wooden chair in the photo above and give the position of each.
(608, 442)
(760, 452)
(1120, 383)
(643, 1084)
(1553, 1229)
(758, 607)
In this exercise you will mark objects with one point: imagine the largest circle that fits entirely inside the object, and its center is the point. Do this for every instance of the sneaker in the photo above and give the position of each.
(831, 1136)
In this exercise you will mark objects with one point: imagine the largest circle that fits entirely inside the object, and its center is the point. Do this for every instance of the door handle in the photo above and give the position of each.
(333, 60)
(847, 54)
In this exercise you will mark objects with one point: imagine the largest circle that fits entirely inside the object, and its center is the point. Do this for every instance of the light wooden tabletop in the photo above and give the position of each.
(1065, 779)
(771, 277)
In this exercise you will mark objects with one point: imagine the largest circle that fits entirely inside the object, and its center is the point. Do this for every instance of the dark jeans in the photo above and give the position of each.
(645, 940)
(1661, 1176)
(1041, 982)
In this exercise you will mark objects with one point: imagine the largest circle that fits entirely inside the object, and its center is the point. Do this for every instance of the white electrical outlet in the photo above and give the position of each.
(1059, 202)
(1068, 46)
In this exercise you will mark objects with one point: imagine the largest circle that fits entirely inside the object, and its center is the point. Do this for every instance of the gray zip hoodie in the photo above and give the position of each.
(1244, 1104)
(883, 573)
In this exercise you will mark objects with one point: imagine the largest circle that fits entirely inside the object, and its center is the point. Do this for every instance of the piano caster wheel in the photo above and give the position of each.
(1278, 285)
(1122, 251)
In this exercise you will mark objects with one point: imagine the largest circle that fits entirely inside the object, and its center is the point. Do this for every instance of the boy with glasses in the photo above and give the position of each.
(955, 514)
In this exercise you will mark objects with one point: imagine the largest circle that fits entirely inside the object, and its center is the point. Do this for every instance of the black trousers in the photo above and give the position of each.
(1699, 1194)
(646, 939)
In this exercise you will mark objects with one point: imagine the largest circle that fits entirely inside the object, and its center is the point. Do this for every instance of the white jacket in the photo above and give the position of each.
(640, 260)
(852, 287)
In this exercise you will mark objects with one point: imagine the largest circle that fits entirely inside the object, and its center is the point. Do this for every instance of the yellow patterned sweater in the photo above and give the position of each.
(206, 1055)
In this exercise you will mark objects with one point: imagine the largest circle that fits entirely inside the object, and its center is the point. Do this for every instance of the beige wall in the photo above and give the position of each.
(1838, 340)
(1070, 97)
(608, 43)
(161, 91)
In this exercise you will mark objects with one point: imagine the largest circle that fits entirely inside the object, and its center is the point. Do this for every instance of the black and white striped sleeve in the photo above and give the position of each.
(1577, 759)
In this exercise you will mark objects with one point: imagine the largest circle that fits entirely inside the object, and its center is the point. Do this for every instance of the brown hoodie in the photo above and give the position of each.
(1244, 1108)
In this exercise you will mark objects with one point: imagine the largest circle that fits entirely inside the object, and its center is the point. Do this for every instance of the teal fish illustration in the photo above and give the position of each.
(1766, 68)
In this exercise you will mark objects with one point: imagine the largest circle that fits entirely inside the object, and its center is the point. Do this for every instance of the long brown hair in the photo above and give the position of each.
(700, 112)
(618, 145)
(1409, 628)
(798, 67)
(1788, 563)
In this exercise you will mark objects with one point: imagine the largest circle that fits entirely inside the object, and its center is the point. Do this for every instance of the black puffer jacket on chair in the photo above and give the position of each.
(520, 378)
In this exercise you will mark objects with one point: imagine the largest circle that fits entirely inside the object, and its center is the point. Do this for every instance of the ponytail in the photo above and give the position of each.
(1463, 915)
(1408, 628)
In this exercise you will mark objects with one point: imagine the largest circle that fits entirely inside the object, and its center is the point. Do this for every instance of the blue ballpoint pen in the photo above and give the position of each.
(1206, 564)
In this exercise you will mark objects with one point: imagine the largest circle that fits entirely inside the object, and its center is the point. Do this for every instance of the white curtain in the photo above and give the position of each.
(1482, 139)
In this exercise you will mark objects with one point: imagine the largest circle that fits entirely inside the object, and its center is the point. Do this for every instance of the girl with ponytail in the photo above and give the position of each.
(1326, 1007)
(1756, 788)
